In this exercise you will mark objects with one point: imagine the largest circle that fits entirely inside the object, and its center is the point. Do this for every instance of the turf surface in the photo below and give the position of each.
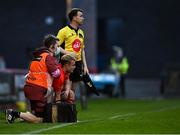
(111, 116)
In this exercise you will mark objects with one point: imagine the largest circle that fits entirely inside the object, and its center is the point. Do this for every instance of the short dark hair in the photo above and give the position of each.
(67, 58)
(49, 40)
(73, 13)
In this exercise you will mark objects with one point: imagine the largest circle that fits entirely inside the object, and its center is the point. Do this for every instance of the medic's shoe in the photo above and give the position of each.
(9, 116)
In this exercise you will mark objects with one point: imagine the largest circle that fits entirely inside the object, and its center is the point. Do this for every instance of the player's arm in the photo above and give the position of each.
(83, 56)
(61, 50)
(52, 66)
(61, 36)
(57, 96)
(67, 87)
(84, 62)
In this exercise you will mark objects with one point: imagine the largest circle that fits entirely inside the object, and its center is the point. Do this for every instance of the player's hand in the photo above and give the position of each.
(49, 92)
(58, 51)
(71, 98)
(64, 95)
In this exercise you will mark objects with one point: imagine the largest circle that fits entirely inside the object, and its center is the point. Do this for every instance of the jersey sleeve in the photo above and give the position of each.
(51, 64)
(61, 36)
(56, 84)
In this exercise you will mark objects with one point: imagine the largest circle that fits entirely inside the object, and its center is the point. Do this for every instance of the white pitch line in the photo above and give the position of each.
(59, 126)
(110, 118)
(122, 115)
(68, 124)
(50, 128)
(164, 109)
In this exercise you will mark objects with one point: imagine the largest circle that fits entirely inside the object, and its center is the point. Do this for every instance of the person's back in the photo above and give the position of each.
(39, 78)
(38, 81)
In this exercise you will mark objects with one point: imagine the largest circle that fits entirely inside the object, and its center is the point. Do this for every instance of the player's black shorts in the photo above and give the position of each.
(60, 112)
(38, 107)
(76, 75)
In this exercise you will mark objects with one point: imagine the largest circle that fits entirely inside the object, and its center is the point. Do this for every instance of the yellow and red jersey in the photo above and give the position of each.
(72, 39)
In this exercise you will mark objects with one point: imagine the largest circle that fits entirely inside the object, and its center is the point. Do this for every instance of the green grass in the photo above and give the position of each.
(111, 116)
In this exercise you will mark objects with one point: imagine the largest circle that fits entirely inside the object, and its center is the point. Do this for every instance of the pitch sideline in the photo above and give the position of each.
(109, 118)
(85, 121)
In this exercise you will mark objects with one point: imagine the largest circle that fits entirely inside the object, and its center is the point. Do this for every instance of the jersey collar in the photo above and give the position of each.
(76, 30)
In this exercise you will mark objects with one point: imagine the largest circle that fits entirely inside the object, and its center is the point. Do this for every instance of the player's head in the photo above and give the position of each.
(76, 15)
(51, 42)
(68, 63)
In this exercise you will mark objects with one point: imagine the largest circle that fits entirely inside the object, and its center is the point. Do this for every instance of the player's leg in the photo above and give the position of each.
(83, 95)
(29, 117)
(76, 78)
(67, 108)
(11, 115)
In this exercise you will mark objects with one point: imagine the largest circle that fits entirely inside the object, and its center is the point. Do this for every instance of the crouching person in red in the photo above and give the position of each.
(42, 70)
(64, 109)
(62, 84)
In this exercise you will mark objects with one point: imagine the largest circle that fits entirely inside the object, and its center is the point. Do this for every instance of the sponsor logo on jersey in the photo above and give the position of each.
(76, 45)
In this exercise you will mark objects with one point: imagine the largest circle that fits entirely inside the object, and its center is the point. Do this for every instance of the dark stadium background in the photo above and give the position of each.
(148, 31)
